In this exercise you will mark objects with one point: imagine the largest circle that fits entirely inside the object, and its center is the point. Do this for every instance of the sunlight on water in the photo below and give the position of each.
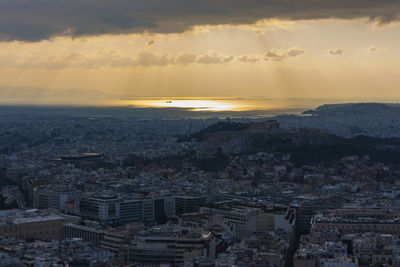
(193, 105)
(209, 104)
(222, 104)
(215, 104)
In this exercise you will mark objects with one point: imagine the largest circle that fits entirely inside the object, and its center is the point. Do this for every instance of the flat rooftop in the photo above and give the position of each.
(23, 216)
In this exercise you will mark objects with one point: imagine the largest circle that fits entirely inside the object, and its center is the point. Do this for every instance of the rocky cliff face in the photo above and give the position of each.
(248, 141)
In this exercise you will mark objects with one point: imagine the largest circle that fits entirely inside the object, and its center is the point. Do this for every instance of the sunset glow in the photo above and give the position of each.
(193, 105)
(326, 54)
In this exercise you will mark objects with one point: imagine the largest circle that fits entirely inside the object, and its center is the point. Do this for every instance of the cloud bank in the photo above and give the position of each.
(34, 20)
(279, 55)
(336, 52)
(143, 59)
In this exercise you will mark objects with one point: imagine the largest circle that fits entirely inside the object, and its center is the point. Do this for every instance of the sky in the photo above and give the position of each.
(102, 52)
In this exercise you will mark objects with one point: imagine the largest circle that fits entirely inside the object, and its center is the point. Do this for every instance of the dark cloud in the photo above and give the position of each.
(150, 43)
(373, 49)
(186, 58)
(279, 55)
(214, 58)
(336, 52)
(33, 20)
(249, 58)
(152, 59)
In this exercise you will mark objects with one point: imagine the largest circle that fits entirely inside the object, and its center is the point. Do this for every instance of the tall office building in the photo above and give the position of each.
(33, 224)
(187, 204)
(101, 207)
(113, 209)
(131, 211)
(53, 196)
(169, 207)
(169, 246)
(88, 233)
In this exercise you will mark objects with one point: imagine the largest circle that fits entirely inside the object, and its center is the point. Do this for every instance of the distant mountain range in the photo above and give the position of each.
(355, 109)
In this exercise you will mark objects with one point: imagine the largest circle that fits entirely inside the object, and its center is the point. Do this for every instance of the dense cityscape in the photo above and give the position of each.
(122, 191)
(199, 133)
